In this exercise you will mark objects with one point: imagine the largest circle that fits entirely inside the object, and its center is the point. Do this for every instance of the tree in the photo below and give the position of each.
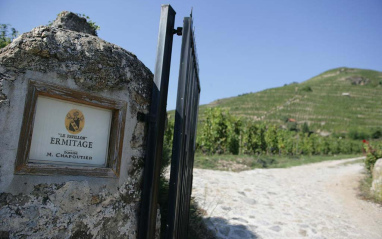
(7, 37)
(305, 128)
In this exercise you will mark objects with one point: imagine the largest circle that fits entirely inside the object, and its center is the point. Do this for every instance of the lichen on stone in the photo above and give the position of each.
(72, 56)
(69, 211)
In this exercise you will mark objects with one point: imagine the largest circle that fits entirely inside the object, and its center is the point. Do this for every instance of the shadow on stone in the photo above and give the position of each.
(223, 229)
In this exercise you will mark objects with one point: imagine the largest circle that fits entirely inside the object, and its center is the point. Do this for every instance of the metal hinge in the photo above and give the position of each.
(178, 31)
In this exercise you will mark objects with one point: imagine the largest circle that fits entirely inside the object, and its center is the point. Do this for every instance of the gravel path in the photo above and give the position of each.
(311, 201)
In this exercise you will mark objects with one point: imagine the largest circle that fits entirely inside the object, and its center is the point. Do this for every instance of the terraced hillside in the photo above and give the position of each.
(334, 101)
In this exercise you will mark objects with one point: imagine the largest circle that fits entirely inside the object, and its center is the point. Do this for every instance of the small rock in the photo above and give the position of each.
(303, 233)
(275, 228)
(226, 208)
(242, 193)
(249, 200)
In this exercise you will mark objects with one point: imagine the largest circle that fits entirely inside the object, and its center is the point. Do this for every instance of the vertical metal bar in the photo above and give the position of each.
(193, 118)
(147, 219)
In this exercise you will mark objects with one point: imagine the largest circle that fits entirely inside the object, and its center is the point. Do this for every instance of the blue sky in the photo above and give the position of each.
(243, 46)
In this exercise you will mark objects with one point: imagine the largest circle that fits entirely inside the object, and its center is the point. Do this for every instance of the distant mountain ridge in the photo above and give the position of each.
(335, 101)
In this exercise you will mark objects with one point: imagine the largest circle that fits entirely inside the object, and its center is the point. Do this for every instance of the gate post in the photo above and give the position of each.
(157, 121)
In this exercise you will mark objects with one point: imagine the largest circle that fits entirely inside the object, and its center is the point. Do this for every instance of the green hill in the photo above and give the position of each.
(335, 101)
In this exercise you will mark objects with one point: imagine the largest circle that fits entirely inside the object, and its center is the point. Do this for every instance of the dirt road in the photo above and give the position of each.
(312, 201)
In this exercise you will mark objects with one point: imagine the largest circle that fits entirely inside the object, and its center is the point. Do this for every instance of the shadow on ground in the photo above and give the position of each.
(221, 228)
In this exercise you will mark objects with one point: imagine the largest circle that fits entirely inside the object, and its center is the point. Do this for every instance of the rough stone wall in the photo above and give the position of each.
(376, 187)
(70, 210)
(71, 206)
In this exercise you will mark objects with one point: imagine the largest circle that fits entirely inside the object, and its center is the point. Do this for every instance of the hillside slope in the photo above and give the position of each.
(335, 101)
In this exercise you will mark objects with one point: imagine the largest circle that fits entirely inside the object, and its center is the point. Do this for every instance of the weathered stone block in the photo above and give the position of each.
(62, 206)
(376, 187)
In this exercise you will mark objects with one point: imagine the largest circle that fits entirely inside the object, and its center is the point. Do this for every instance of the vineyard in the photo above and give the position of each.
(335, 101)
(330, 114)
(222, 133)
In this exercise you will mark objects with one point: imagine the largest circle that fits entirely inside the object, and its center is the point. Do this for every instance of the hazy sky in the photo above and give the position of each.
(243, 46)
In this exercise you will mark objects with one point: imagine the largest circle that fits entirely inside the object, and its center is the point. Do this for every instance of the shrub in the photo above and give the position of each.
(234, 129)
(306, 89)
(292, 126)
(251, 142)
(377, 134)
(285, 119)
(358, 135)
(305, 128)
(373, 153)
(91, 23)
(271, 139)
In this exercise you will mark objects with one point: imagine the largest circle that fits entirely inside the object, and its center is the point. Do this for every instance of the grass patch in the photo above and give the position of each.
(358, 161)
(197, 228)
(238, 163)
(290, 162)
(364, 189)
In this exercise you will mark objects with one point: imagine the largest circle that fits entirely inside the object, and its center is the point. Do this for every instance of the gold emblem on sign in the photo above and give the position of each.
(74, 121)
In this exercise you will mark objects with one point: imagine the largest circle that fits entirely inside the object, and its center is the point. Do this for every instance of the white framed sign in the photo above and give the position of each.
(70, 132)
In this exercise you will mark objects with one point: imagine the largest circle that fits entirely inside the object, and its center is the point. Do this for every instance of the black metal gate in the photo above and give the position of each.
(183, 151)
(182, 161)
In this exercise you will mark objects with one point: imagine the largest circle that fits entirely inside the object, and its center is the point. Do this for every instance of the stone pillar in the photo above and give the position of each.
(376, 187)
(70, 55)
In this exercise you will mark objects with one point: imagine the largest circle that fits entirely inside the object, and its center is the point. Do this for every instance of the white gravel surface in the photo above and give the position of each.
(312, 201)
